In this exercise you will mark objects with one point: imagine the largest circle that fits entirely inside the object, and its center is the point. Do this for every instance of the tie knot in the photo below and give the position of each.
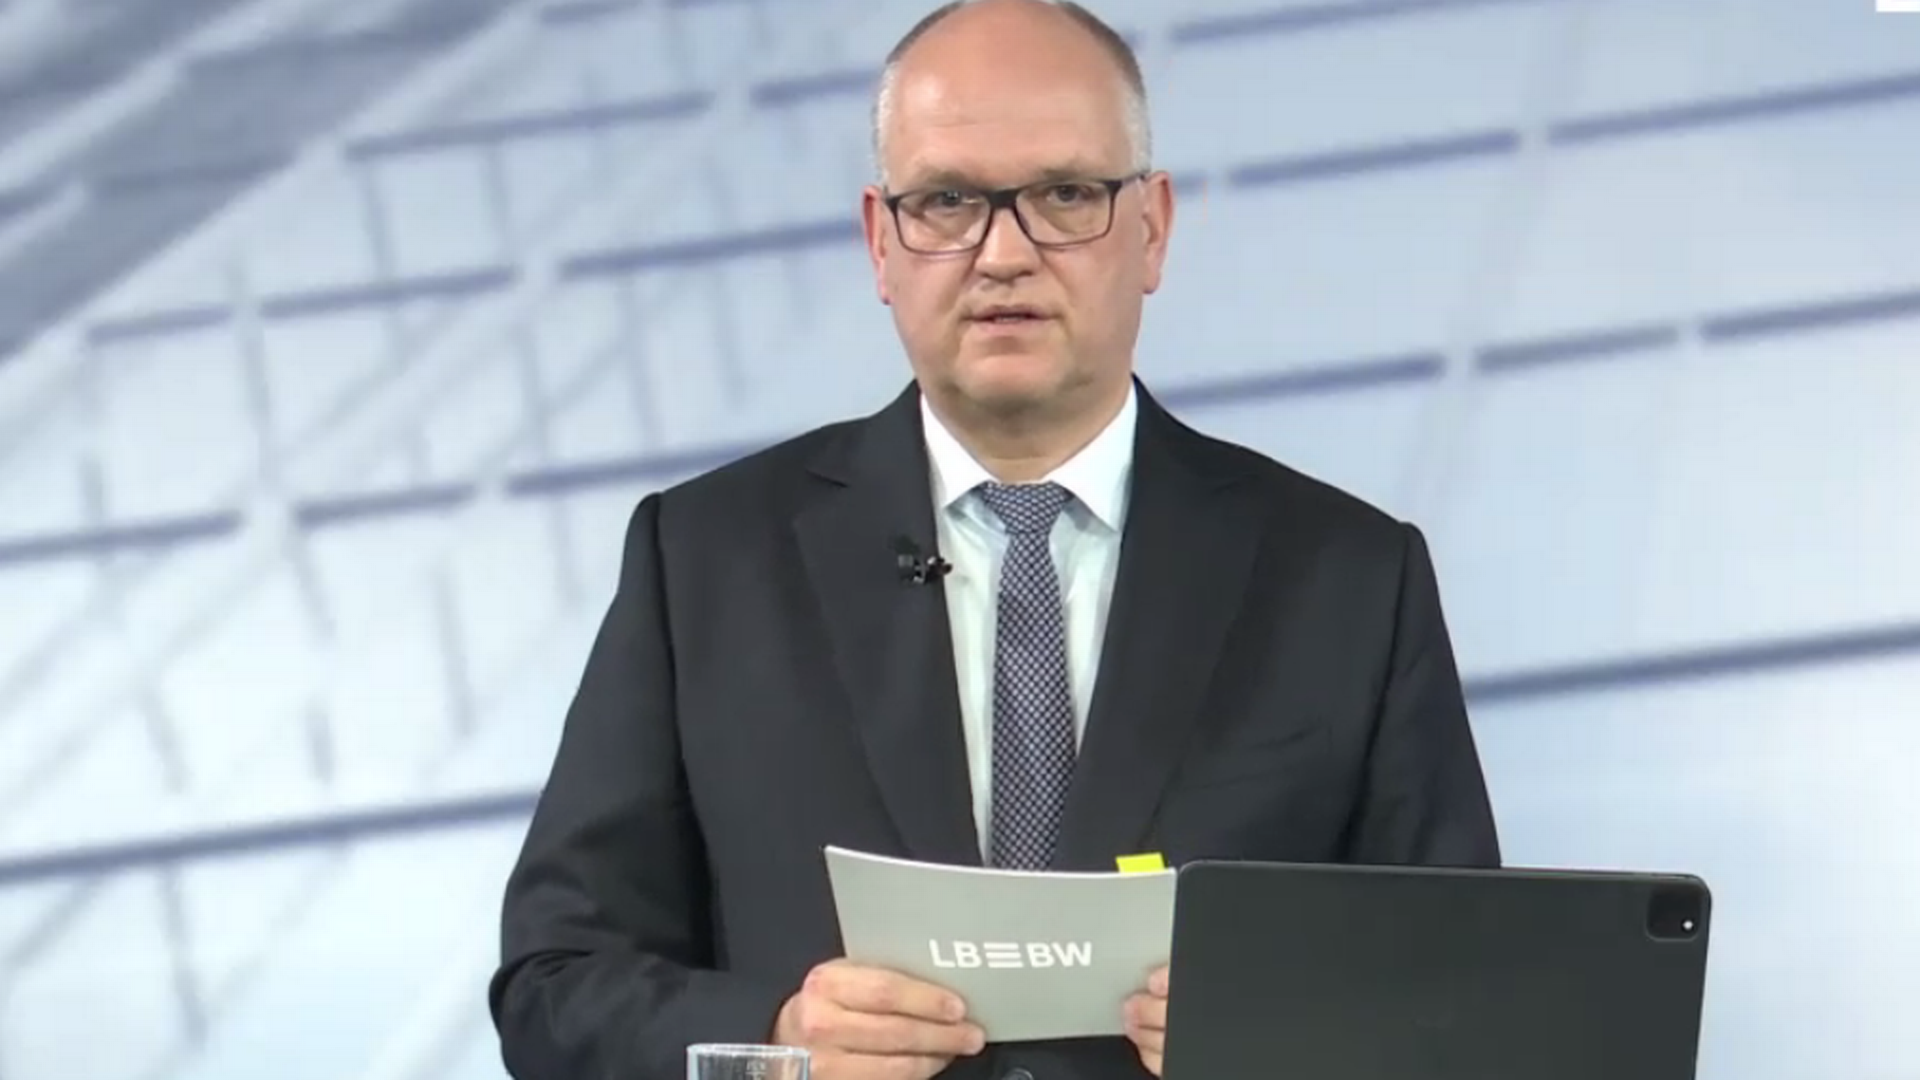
(1025, 508)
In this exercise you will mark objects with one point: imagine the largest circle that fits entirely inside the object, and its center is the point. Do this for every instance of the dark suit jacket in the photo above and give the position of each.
(1277, 683)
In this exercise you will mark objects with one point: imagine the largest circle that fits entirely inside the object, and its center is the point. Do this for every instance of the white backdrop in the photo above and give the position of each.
(337, 340)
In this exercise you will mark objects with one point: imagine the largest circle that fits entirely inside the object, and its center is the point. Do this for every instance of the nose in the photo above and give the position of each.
(1005, 251)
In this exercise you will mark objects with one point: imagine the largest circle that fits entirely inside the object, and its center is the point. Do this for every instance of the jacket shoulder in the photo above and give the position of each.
(1303, 500)
(761, 479)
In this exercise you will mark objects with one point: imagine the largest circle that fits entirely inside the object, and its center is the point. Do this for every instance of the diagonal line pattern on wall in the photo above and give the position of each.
(1350, 375)
(1615, 675)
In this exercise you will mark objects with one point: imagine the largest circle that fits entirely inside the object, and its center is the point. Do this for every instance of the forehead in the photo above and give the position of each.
(1009, 131)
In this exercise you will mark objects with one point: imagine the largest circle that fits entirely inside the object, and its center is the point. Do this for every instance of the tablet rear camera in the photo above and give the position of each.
(1677, 912)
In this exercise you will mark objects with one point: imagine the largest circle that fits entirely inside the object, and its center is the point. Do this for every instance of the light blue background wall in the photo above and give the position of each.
(337, 339)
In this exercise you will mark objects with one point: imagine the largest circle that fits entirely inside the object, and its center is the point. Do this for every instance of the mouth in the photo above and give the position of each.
(1008, 316)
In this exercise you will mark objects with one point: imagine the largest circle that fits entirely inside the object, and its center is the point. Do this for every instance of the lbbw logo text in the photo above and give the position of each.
(1010, 954)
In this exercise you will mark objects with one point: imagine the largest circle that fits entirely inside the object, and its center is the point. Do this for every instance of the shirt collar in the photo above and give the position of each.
(1096, 476)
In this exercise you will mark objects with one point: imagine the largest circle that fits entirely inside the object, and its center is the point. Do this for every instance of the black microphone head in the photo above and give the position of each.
(906, 558)
(914, 565)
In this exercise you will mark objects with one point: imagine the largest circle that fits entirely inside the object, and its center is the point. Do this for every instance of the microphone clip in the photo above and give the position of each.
(916, 567)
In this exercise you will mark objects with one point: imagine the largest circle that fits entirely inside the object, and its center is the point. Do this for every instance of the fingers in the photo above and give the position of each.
(1147, 1016)
(870, 1033)
(878, 1024)
(822, 1024)
(1146, 1038)
(1146, 1022)
(873, 990)
(834, 1065)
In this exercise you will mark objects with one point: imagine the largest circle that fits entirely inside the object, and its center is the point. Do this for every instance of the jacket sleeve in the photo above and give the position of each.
(607, 967)
(1425, 800)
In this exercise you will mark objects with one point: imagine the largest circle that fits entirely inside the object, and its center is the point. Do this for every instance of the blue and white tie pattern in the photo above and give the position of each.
(1033, 741)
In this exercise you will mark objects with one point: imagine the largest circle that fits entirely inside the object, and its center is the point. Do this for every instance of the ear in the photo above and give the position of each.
(1156, 210)
(873, 222)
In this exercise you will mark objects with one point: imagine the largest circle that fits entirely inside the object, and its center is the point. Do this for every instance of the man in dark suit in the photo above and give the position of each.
(1145, 639)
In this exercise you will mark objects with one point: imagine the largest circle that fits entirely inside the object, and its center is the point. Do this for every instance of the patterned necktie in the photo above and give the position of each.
(1033, 743)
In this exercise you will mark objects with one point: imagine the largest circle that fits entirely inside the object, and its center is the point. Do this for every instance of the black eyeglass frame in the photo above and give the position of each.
(999, 199)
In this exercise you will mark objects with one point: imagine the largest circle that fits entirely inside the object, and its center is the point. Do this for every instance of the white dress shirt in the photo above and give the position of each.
(1086, 552)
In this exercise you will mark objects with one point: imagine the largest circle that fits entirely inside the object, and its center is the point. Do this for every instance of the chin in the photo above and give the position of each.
(1013, 382)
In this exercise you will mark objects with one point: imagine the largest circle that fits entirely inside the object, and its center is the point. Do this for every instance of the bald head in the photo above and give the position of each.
(972, 48)
(1013, 153)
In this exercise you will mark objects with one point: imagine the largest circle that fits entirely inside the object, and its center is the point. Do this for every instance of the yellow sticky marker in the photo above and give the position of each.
(1140, 864)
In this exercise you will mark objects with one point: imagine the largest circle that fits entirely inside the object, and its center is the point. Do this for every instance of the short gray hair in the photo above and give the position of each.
(1138, 121)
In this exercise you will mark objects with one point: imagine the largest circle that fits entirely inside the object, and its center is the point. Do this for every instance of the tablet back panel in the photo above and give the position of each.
(1358, 973)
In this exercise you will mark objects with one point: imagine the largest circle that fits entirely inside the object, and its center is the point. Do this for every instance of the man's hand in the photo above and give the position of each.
(1147, 1021)
(863, 1023)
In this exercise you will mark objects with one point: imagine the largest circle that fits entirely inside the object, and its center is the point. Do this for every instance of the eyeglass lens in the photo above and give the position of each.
(1054, 212)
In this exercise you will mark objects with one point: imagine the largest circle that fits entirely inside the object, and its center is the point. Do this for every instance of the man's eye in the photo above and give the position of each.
(954, 201)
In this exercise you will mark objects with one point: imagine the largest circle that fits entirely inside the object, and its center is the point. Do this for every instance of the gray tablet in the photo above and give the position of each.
(1393, 973)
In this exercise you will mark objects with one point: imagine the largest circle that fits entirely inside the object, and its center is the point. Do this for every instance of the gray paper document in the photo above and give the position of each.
(1035, 955)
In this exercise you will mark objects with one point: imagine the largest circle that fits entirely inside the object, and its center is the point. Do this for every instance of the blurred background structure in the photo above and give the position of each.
(338, 339)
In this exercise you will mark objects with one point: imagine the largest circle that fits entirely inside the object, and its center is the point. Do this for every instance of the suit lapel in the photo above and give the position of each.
(891, 640)
(1187, 551)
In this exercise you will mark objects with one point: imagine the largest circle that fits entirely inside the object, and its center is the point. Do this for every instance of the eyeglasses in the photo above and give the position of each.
(1053, 214)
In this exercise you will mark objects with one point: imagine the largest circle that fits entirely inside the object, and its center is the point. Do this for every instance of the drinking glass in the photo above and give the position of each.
(746, 1061)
